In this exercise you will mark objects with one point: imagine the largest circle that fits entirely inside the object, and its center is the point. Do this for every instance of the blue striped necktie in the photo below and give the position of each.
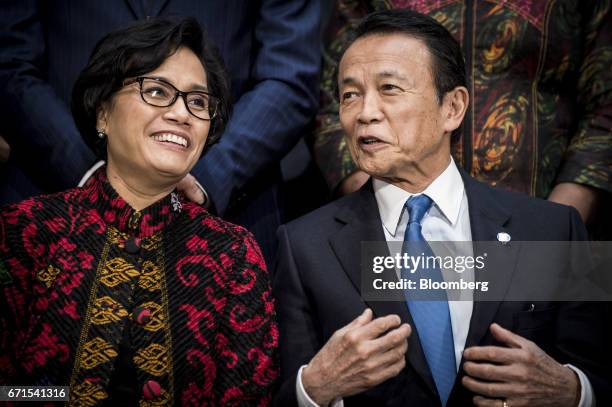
(431, 318)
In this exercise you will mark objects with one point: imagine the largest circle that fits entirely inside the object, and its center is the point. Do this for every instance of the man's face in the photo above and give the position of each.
(389, 109)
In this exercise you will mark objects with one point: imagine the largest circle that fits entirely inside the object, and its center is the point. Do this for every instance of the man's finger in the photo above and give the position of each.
(495, 354)
(377, 361)
(506, 336)
(390, 354)
(196, 194)
(188, 186)
(379, 326)
(365, 317)
(480, 401)
(394, 354)
(488, 389)
(205, 197)
(192, 191)
(360, 320)
(386, 372)
(392, 339)
(493, 373)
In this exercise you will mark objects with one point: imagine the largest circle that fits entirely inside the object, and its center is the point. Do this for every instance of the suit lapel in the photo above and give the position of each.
(488, 217)
(362, 223)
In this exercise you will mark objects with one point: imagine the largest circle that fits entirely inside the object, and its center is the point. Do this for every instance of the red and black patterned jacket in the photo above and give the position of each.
(168, 305)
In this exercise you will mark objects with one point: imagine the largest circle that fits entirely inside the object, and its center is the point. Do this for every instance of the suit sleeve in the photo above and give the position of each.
(270, 118)
(35, 122)
(588, 159)
(296, 321)
(584, 334)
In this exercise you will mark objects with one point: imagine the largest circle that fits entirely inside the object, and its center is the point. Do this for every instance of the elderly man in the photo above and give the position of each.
(403, 94)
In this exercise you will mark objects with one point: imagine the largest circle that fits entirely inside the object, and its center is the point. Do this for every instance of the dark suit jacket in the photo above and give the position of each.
(270, 49)
(317, 285)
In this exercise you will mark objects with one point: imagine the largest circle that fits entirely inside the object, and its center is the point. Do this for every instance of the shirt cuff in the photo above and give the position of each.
(587, 398)
(305, 401)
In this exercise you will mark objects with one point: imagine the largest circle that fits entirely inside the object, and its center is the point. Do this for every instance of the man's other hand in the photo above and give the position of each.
(522, 374)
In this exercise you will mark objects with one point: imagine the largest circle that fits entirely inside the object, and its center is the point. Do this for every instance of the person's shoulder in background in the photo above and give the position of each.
(529, 218)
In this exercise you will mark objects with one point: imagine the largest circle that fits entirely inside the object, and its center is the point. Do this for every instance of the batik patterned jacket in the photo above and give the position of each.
(169, 304)
(540, 84)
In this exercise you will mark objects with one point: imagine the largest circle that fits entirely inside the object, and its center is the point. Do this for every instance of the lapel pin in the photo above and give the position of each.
(503, 237)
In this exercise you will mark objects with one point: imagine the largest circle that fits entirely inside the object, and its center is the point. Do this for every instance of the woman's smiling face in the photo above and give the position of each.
(158, 143)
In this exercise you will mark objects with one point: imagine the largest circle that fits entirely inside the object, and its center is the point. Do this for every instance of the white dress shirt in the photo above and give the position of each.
(447, 220)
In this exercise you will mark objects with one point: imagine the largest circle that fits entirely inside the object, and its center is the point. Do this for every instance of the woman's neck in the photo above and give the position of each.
(137, 194)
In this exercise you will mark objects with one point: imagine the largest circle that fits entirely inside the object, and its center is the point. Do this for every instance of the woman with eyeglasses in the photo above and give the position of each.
(120, 289)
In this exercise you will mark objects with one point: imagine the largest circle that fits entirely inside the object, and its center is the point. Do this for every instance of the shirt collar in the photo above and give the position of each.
(115, 211)
(446, 191)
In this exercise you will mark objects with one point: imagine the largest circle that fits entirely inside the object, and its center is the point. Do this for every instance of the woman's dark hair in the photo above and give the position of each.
(134, 51)
(447, 63)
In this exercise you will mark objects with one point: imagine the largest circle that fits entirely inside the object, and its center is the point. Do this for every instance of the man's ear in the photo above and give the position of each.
(455, 105)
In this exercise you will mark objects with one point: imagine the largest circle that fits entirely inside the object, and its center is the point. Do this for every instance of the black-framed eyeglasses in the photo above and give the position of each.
(158, 92)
